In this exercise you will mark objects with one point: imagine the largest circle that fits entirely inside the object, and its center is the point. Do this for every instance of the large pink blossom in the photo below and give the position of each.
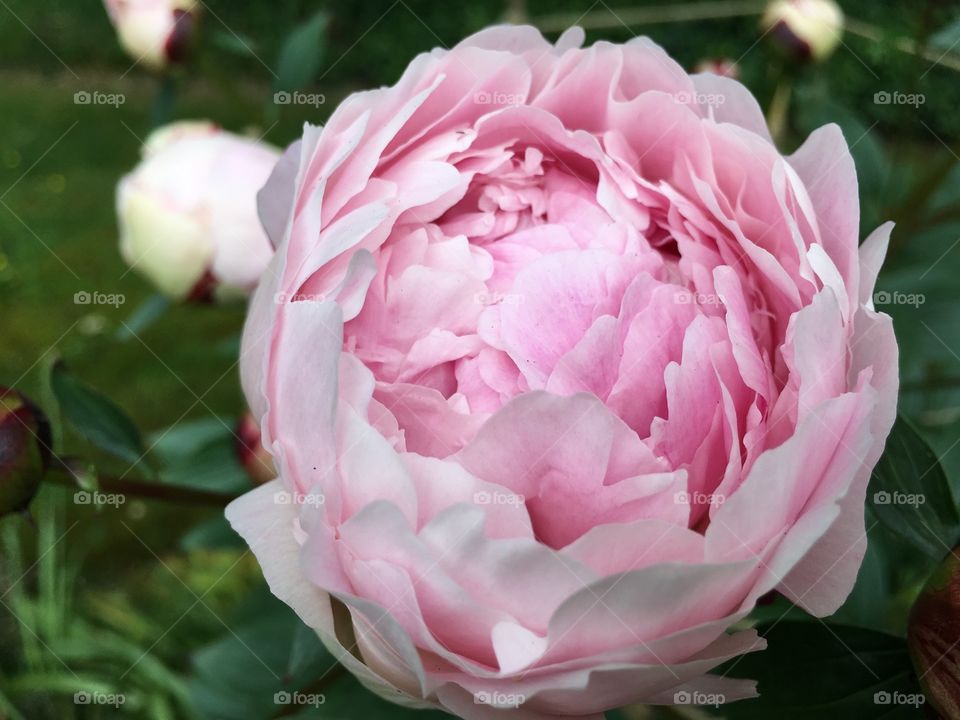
(562, 367)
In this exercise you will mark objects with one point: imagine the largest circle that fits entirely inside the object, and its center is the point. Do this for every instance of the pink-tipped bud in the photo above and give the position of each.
(156, 33)
(805, 29)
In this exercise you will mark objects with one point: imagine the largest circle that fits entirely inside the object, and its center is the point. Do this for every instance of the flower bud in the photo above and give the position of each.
(188, 213)
(806, 29)
(932, 633)
(24, 450)
(155, 32)
(253, 456)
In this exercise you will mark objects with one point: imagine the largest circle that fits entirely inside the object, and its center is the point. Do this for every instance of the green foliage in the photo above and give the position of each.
(815, 670)
(910, 493)
(96, 417)
(299, 59)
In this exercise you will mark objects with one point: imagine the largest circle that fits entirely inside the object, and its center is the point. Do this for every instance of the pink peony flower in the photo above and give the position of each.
(562, 366)
(154, 32)
(187, 212)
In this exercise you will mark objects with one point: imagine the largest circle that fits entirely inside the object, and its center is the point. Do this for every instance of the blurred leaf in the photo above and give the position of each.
(214, 534)
(260, 656)
(201, 454)
(347, 698)
(96, 417)
(147, 313)
(306, 653)
(236, 43)
(909, 493)
(300, 56)
(810, 670)
(869, 604)
(948, 38)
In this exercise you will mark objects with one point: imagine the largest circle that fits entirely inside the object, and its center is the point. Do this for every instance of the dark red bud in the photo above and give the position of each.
(933, 636)
(25, 443)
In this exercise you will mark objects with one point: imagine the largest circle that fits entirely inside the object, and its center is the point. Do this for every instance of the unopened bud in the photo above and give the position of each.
(805, 29)
(24, 450)
(933, 632)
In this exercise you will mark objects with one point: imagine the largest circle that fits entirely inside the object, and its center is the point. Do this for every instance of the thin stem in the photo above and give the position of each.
(649, 15)
(60, 474)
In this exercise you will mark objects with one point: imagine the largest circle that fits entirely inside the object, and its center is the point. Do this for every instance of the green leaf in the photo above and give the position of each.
(201, 454)
(910, 494)
(236, 43)
(96, 417)
(263, 653)
(947, 39)
(810, 670)
(147, 313)
(212, 534)
(347, 698)
(300, 56)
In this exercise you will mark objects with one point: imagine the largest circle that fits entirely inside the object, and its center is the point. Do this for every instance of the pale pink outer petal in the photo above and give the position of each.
(826, 167)
(823, 578)
(275, 199)
(270, 530)
(730, 101)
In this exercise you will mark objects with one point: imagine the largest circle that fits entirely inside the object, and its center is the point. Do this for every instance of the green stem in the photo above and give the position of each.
(60, 474)
(649, 15)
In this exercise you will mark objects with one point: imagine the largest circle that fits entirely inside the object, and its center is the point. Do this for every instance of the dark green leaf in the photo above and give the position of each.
(263, 653)
(910, 494)
(147, 313)
(300, 57)
(201, 454)
(810, 670)
(96, 417)
(213, 534)
(347, 698)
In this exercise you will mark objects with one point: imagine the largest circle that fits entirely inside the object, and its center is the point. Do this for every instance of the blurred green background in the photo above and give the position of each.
(121, 578)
